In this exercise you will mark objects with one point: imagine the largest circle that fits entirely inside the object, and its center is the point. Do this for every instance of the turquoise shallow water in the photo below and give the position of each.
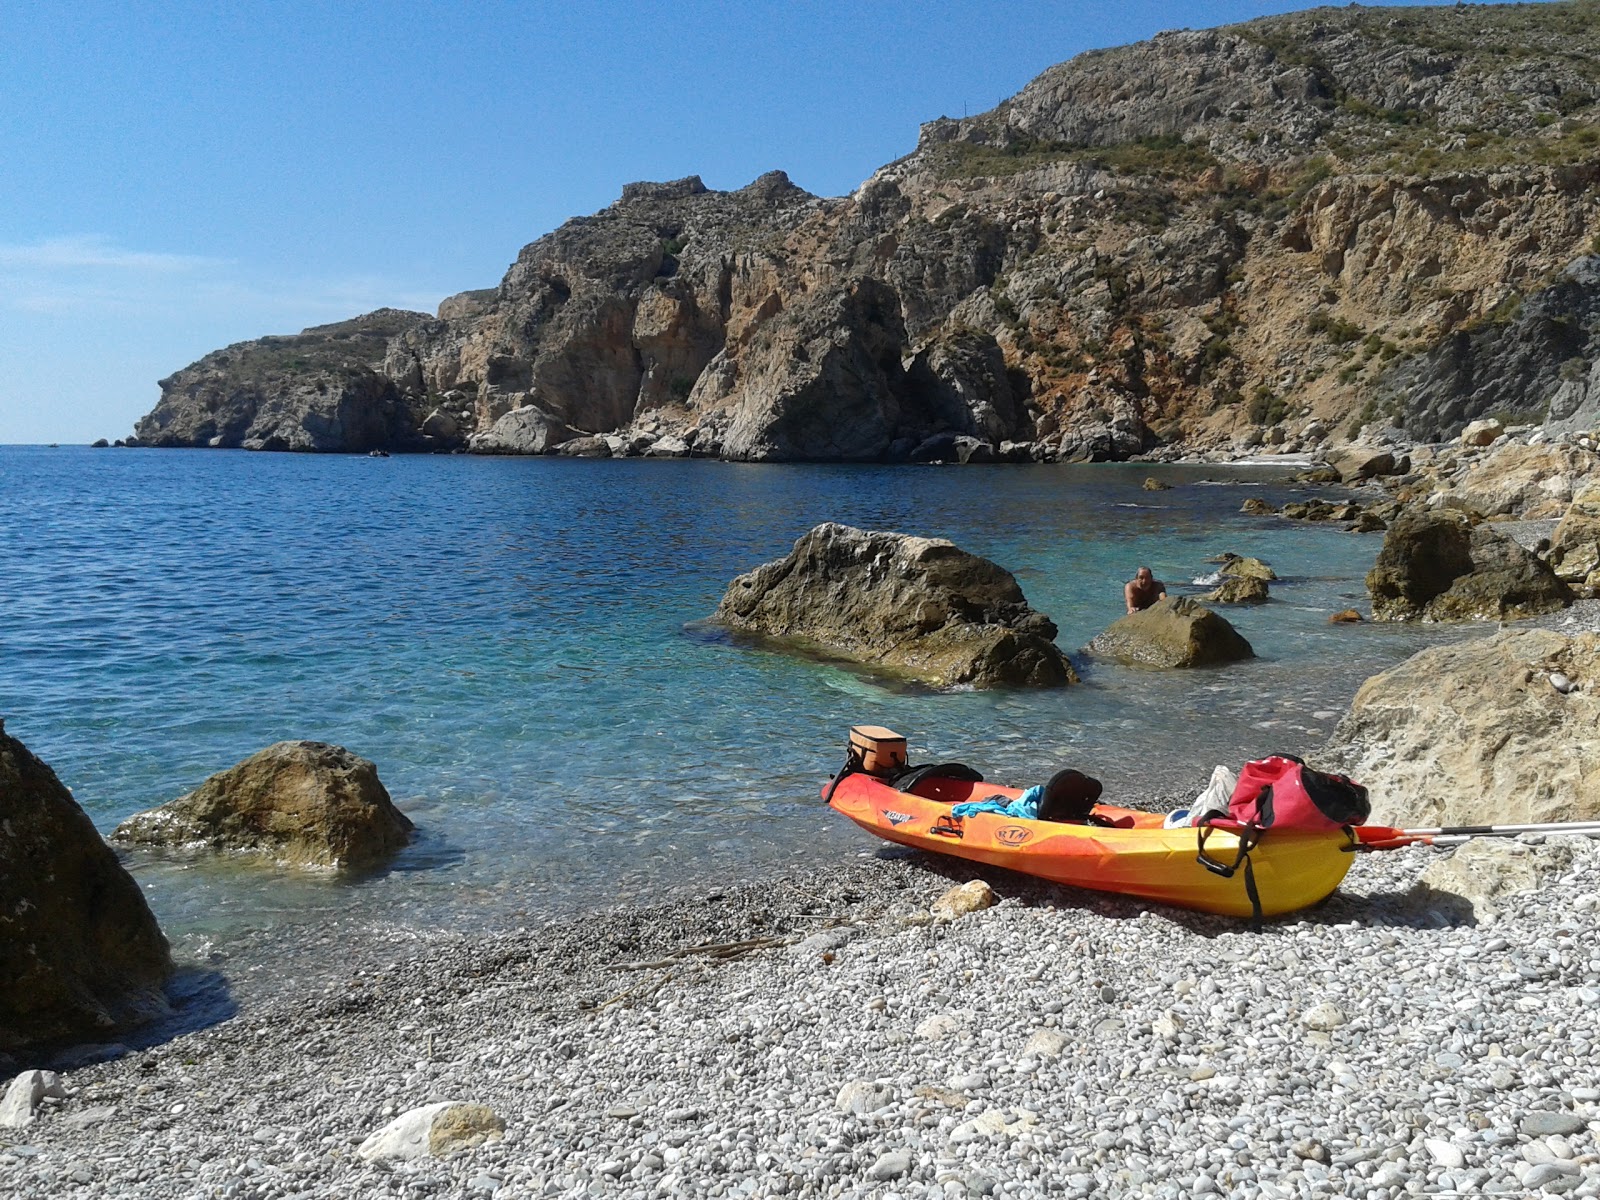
(511, 641)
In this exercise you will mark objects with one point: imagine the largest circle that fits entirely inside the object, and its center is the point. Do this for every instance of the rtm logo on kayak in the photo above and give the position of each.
(896, 818)
(1012, 835)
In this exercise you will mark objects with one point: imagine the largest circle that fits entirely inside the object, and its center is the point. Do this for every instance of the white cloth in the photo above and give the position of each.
(1211, 802)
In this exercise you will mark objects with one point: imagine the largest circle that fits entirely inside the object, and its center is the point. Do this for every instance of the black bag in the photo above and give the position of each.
(1069, 796)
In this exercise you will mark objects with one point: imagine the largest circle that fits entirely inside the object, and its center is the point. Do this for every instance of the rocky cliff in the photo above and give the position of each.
(1198, 243)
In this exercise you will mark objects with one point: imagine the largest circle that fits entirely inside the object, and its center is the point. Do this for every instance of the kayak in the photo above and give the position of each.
(1131, 855)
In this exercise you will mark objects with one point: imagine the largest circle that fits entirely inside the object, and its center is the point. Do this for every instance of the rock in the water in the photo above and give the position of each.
(1485, 872)
(82, 953)
(585, 447)
(1437, 566)
(1481, 433)
(1239, 589)
(434, 1131)
(23, 1097)
(1471, 733)
(969, 897)
(1257, 507)
(304, 804)
(1345, 616)
(917, 607)
(1175, 632)
(525, 430)
(1152, 484)
(1241, 566)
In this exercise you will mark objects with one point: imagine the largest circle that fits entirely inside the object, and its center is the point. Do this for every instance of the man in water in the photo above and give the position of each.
(1143, 590)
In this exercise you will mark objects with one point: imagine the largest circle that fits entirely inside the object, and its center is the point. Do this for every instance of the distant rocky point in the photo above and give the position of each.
(1270, 235)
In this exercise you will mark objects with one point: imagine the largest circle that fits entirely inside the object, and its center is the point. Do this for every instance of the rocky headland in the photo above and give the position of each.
(1269, 235)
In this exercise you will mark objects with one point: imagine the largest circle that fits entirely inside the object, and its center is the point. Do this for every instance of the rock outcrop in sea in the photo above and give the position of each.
(1176, 632)
(1276, 234)
(1439, 566)
(919, 608)
(1480, 732)
(81, 955)
(301, 804)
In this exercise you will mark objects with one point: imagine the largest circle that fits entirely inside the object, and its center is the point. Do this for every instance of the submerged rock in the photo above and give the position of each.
(1437, 566)
(918, 607)
(1473, 733)
(1171, 633)
(304, 804)
(82, 954)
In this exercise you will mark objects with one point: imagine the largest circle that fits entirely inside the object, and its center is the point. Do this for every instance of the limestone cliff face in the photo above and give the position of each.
(1200, 242)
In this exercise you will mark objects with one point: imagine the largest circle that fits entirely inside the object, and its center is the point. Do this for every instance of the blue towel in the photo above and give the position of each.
(1025, 806)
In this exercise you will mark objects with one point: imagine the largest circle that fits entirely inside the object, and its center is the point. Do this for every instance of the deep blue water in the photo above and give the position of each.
(506, 639)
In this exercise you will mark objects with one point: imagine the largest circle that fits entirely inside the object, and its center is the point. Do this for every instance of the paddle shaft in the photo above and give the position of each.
(1379, 838)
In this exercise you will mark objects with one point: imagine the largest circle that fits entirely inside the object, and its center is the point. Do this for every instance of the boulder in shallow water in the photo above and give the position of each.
(1175, 632)
(1239, 589)
(80, 952)
(303, 804)
(1438, 566)
(918, 607)
(1345, 616)
(1473, 733)
(1255, 506)
(1238, 566)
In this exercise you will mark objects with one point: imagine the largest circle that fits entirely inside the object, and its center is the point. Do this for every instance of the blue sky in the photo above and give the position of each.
(175, 177)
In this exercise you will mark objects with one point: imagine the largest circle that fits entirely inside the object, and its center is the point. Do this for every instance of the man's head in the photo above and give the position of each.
(1142, 575)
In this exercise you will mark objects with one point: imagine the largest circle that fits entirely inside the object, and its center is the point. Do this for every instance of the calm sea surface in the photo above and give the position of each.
(510, 640)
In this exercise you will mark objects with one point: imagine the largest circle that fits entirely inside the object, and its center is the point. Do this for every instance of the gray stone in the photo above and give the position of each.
(892, 1165)
(24, 1095)
(1544, 1124)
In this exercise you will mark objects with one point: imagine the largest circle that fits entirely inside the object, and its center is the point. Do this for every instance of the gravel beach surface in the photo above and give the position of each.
(824, 1037)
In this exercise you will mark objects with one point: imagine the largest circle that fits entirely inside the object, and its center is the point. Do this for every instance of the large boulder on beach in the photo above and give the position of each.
(301, 804)
(1575, 544)
(1438, 566)
(1514, 479)
(525, 430)
(921, 608)
(1175, 632)
(435, 1130)
(81, 954)
(1477, 733)
(1355, 462)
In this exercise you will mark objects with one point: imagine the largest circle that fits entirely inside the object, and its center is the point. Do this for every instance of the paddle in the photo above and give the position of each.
(1382, 837)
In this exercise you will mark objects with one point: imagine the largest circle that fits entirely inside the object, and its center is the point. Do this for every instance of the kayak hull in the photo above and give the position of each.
(1293, 869)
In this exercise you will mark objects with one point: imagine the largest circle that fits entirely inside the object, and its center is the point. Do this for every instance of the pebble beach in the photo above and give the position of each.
(826, 1037)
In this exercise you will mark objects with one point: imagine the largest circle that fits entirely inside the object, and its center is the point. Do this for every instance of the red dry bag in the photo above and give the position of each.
(1281, 792)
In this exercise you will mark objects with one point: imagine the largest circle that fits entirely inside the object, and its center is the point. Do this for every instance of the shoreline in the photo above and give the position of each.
(1062, 1043)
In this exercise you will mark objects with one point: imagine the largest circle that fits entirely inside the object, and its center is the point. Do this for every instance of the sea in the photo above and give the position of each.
(520, 645)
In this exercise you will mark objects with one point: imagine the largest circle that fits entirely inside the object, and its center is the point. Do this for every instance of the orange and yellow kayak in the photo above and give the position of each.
(1137, 857)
